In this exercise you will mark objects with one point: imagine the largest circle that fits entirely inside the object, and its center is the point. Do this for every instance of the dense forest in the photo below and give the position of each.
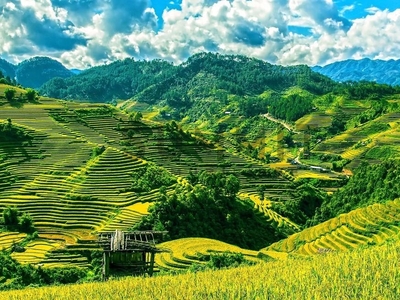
(208, 207)
(36, 71)
(371, 183)
(189, 87)
(118, 80)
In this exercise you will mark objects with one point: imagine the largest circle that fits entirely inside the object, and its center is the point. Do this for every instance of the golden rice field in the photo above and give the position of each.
(372, 225)
(183, 253)
(367, 273)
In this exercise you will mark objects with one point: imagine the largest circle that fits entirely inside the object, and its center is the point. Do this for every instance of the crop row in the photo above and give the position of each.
(370, 225)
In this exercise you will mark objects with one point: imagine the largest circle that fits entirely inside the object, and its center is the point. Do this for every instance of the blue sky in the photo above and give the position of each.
(83, 33)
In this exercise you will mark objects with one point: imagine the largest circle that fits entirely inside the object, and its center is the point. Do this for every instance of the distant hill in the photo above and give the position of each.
(380, 71)
(36, 71)
(76, 71)
(201, 75)
(119, 80)
(7, 68)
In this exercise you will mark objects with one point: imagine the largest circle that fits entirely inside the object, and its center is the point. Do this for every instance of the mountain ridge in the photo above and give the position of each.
(366, 69)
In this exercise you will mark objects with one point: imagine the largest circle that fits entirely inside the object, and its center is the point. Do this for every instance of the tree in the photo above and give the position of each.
(9, 94)
(10, 216)
(138, 116)
(135, 116)
(31, 95)
(232, 185)
(260, 192)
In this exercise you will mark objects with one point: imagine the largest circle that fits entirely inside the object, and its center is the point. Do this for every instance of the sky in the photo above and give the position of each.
(85, 33)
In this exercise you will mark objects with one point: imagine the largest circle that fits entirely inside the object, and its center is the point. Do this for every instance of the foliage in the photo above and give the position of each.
(36, 71)
(119, 80)
(20, 276)
(367, 89)
(210, 209)
(135, 116)
(98, 150)
(220, 260)
(104, 110)
(301, 208)
(12, 133)
(150, 177)
(31, 95)
(15, 220)
(370, 184)
(9, 94)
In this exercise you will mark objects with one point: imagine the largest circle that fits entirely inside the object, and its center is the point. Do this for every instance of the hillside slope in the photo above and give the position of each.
(74, 174)
(7, 68)
(158, 80)
(371, 225)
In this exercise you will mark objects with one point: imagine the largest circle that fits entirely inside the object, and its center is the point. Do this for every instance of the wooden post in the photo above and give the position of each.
(152, 254)
(106, 265)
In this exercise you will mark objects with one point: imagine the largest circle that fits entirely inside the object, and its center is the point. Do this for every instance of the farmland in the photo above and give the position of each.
(73, 178)
(373, 273)
(258, 176)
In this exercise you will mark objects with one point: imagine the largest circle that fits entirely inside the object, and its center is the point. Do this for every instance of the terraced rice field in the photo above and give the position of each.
(183, 253)
(7, 239)
(265, 207)
(71, 194)
(374, 224)
(313, 120)
(354, 143)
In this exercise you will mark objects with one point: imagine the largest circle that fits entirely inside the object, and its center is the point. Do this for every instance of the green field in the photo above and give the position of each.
(71, 194)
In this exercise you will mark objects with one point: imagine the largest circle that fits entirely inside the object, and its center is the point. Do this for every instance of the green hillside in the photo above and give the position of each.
(75, 173)
(229, 154)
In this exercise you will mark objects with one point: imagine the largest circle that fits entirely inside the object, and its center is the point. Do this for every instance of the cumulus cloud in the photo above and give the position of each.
(29, 27)
(84, 33)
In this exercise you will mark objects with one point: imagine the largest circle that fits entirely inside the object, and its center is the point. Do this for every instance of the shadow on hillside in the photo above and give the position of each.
(16, 103)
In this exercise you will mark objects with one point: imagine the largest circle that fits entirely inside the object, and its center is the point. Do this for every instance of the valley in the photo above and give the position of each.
(263, 173)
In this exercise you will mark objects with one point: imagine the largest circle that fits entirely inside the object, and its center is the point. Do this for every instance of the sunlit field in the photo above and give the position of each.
(368, 273)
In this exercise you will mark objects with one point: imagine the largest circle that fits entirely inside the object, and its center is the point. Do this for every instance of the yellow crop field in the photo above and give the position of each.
(7, 239)
(182, 253)
(374, 224)
(367, 273)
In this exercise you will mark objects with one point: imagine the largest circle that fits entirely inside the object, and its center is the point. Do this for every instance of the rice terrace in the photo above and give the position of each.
(133, 172)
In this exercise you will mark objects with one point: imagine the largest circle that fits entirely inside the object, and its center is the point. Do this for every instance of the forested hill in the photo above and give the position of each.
(36, 71)
(380, 71)
(7, 69)
(202, 74)
(118, 80)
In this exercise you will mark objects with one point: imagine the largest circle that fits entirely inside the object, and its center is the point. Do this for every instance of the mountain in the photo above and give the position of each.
(76, 71)
(380, 71)
(202, 74)
(7, 68)
(119, 80)
(35, 71)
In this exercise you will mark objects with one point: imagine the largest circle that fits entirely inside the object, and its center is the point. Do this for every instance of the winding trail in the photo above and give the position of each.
(283, 123)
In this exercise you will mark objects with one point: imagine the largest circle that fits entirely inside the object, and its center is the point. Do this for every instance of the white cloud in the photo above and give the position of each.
(84, 33)
(372, 10)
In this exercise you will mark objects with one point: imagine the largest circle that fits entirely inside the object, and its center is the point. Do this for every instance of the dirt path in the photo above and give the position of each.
(283, 123)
